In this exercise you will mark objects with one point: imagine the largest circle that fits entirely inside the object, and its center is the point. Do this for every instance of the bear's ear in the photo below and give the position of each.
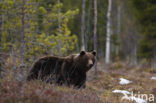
(82, 53)
(94, 53)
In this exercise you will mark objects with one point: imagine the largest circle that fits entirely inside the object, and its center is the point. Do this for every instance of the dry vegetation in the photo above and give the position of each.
(99, 89)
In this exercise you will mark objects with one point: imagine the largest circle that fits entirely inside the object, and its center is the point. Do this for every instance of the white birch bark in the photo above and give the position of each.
(108, 35)
(83, 24)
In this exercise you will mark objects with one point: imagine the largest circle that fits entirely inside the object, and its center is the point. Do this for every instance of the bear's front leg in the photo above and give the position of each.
(81, 83)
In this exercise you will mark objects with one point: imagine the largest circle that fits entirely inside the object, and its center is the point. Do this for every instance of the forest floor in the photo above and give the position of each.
(99, 89)
(108, 80)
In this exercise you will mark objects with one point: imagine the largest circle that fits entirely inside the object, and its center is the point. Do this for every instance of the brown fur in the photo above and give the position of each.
(70, 70)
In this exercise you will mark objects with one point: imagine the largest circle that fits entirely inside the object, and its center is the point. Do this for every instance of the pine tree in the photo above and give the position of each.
(145, 16)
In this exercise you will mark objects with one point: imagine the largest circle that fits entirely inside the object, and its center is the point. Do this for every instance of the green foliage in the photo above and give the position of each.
(146, 17)
(42, 35)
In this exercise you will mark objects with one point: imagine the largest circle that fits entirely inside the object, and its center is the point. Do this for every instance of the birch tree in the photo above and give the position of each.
(108, 35)
(83, 24)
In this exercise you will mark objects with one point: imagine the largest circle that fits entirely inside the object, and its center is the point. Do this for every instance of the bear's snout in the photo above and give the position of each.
(90, 65)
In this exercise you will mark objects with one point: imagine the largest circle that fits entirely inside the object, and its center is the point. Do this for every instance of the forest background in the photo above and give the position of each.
(30, 29)
(123, 33)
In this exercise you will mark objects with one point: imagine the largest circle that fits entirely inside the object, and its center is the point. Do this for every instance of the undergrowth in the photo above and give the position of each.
(98, 89)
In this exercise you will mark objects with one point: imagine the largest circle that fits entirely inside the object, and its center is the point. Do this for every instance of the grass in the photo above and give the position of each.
(39, 92)
(98, 90)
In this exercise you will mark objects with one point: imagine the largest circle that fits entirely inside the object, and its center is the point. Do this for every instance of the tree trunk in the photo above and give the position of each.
(0, 43)
(88, 29)
(83, 24)
(118, 29)
(59, 27)
(108, 36)
(135, 55)
(95, 31)
(59, 18)
(23, 36)
(13, 58)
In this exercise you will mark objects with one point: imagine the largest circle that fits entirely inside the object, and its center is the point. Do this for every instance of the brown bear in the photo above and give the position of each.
(70, 70)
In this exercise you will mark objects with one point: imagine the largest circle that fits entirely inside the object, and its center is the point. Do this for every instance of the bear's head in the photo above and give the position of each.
(86, 60)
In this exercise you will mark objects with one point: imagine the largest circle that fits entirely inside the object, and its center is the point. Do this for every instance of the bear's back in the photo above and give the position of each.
(45, 66)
